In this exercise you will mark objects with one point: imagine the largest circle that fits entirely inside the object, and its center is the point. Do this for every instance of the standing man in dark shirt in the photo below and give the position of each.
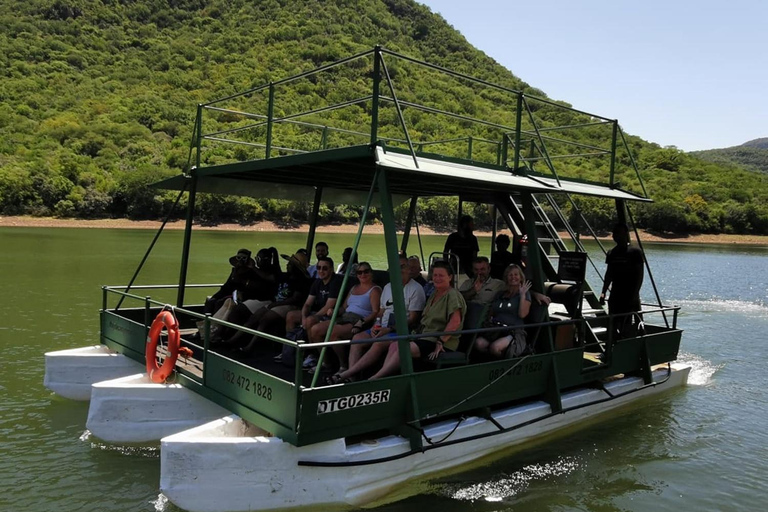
(463, 243)
(502, 258)
(624, 275)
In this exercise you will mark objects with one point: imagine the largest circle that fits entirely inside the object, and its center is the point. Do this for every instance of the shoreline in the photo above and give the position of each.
(267, 226)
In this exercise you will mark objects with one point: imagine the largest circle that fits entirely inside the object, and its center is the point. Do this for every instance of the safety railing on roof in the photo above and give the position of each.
(382, 97)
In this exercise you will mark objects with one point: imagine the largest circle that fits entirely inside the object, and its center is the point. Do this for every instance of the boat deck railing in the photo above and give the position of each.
(279, 399)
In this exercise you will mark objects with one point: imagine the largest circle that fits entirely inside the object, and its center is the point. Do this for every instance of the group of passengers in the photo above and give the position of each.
(258, 295)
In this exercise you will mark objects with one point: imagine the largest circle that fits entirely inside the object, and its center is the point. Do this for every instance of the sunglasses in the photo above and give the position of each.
(323, 268)
(364, 271)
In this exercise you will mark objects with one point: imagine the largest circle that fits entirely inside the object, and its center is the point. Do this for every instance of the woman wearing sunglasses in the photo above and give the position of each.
(356, 314)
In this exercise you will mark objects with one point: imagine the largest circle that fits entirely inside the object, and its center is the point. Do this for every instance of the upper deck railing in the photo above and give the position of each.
(380, 96)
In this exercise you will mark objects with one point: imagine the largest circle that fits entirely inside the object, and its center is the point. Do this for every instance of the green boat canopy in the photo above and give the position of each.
(346, 174)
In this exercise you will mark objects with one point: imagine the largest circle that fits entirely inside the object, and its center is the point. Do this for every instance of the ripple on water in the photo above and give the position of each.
(509, 485)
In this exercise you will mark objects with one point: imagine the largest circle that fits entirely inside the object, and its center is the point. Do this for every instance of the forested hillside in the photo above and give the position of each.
(97, 100)
(751, 155)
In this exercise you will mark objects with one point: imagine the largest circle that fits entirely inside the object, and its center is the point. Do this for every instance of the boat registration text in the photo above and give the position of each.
(350, 402)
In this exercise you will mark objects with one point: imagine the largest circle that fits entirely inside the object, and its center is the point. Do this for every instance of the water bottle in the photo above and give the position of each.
(376, 326)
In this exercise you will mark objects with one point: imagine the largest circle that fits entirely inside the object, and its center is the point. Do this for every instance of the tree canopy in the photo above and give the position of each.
(98, 98)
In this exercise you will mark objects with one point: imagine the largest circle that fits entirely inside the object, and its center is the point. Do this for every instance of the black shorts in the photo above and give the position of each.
(426, 347)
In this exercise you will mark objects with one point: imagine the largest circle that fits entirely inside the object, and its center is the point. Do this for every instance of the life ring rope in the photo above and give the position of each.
(166, 319)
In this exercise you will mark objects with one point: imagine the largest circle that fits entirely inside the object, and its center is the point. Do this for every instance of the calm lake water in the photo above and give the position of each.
(704, 447)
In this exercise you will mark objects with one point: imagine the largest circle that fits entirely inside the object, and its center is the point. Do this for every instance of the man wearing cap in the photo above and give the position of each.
(321, 251)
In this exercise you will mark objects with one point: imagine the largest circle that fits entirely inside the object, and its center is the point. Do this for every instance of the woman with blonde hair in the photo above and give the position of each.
(508, 310)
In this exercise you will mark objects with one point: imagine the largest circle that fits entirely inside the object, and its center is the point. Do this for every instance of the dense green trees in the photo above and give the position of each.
(97, 100)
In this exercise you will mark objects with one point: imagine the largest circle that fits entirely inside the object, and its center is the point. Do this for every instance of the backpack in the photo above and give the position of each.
(289, 352)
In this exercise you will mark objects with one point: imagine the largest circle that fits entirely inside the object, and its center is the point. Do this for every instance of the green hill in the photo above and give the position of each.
(757, 143)
(97, 99)
(752, 155)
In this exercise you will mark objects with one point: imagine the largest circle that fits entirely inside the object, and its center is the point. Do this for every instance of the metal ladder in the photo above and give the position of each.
(548, 239)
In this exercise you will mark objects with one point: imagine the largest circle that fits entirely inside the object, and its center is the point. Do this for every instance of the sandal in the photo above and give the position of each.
(338, 379)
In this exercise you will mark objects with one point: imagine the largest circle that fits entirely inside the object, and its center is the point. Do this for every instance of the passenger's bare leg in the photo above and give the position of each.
(342, 332)
(292, 319)
(499, 346)
(317, 329)
(481, 344)
(356, 350)
(371, 357)
(270, 323)
(392, 361)
(252, 323)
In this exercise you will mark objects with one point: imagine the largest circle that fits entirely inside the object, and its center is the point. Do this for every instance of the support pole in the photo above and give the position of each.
(313, 222)
(518, 127)
(537, 276)
(408, 224)
(401, 315)
(375, 95)
(187, 238)
(270, 118)
(614, 133)
(345, 279)
(495, 227)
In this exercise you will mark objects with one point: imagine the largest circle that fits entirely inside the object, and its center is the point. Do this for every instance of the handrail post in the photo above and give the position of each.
(375, 95)
(270, 118)
(146, 314)
(614, 132)
(206, 343)
(469, 148)
(504, 150)
(518, 127)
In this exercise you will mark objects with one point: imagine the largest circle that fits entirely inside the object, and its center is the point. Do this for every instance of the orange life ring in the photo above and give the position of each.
(159, 374)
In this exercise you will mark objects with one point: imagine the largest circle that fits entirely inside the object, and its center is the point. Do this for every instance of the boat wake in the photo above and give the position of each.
(701, 369)
(718, 305)
(509, 486)
(161, 503)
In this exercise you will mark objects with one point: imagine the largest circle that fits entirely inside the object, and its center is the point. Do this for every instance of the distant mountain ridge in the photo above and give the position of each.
(757, 143)
(752, 155)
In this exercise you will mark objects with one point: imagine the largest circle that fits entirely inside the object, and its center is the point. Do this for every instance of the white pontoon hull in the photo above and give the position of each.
(71, 373)
(226, 465)
(133, 409)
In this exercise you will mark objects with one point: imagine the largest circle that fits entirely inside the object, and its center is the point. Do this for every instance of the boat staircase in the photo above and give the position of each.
(550, 245)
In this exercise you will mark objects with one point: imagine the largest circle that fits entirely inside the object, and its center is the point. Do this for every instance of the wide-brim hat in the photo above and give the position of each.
(299, 260)
(242, 255)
